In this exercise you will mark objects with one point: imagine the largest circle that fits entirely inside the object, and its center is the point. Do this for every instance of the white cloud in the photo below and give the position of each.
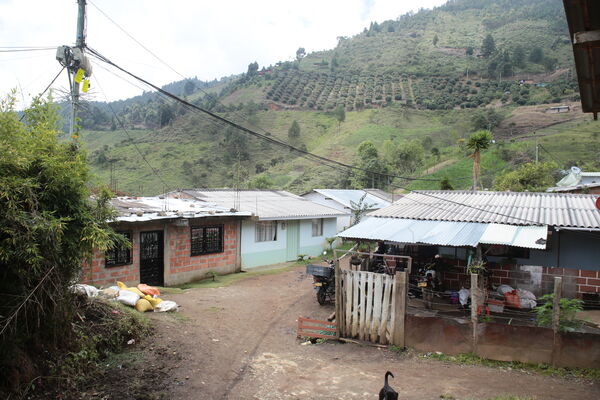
(208, 39)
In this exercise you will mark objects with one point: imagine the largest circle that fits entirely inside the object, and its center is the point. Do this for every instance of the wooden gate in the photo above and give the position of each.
(368, 306)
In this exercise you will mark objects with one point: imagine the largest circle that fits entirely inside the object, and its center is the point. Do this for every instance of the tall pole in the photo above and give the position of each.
(537, 151)
(80, 44)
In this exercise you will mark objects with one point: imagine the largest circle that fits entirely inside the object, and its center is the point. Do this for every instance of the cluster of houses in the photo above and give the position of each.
(527, 238)
(184, 235)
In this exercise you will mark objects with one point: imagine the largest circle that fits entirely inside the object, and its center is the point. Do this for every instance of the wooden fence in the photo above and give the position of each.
(372, 306)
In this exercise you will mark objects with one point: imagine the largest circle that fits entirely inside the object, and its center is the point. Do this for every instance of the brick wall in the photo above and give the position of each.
(575, 282)
(185, 268)
(180, 266)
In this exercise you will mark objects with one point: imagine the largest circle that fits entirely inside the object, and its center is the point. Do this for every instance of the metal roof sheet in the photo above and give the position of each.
(266, 204)
(446, 233)
(512, 208)
(347, 196)
(138, 209)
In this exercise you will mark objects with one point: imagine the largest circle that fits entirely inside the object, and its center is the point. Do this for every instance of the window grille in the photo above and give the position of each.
(206, 240)
(119, 255)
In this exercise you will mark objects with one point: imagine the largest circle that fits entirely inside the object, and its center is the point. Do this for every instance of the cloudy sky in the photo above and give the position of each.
(207, 39)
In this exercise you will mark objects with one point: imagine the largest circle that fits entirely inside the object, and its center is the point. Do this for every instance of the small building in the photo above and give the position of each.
(345, 200)
(283, 226)
(558, 109)
(578, 182)
(173, 241)
(526, 238)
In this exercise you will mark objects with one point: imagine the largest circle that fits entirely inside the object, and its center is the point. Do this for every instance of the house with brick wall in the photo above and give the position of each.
(526, 238)
(283, 226)
(173, 241)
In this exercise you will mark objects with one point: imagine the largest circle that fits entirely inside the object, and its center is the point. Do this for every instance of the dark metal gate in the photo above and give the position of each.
(151, 258)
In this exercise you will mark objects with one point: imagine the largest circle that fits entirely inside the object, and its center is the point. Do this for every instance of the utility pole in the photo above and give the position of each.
(79, 44)
(537, 151)
(77, 65)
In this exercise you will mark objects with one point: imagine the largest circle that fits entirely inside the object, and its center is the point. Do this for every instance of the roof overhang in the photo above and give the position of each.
(583, 17)
(447, 233)
(292, 217)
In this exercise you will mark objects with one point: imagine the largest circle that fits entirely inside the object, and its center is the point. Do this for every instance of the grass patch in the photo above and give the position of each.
(169, 290)
(544, 369)
(226, 280)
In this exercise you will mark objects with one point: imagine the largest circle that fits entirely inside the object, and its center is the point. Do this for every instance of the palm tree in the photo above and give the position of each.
(478, 141)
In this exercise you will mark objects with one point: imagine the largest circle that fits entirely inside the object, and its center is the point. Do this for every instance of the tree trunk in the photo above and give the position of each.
(476, 165)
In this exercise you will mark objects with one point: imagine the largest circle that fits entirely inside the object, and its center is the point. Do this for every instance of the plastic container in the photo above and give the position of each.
(319, 270)
(454, 298)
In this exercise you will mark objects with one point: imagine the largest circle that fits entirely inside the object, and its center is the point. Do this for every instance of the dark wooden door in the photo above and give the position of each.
(151, 258)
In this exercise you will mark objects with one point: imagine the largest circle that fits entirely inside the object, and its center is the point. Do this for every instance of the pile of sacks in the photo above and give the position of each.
(517, 298)
(143, 297)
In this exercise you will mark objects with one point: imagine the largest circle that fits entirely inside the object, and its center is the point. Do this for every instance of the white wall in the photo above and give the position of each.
(343, 222)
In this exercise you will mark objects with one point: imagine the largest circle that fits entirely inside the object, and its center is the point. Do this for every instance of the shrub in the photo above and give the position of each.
(568, 311)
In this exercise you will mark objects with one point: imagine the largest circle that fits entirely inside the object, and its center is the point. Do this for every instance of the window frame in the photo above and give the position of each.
(257, 234)
(117, 253)
(194, 252)
(318, 221)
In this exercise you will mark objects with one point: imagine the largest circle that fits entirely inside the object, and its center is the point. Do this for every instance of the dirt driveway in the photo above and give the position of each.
(239, 342)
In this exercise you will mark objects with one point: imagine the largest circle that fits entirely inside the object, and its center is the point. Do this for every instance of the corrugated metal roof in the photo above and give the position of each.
(446, 233)
(389, 197)
(513, 208)
(139, 209)
(346, 196)
(266, 204)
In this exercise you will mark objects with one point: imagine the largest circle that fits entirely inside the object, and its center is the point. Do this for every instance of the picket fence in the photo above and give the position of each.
(368, 306)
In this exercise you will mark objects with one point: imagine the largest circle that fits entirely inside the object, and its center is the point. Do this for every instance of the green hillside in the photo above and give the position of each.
(416, 87)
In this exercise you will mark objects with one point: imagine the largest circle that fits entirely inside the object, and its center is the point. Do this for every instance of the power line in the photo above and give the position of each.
(130, 138)
(134, 39)
(20, 50)
(47, 87)
(551, 155)
(201, 89)
(251, 132)
(329, 162)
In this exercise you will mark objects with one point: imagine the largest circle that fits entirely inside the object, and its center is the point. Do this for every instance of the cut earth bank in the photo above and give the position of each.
(239, 342)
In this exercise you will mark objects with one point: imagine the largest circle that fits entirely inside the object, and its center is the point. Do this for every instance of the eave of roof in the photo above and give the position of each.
(513, 208)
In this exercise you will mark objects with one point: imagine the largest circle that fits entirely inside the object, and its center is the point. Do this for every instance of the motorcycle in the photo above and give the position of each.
(425, 284)
(323, 280)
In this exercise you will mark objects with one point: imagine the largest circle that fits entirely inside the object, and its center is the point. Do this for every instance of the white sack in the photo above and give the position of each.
(89, 291)
(128, 298)
(463, 296)
(166, 306)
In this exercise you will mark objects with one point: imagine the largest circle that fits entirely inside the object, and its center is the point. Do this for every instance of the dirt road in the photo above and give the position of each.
(238, 342)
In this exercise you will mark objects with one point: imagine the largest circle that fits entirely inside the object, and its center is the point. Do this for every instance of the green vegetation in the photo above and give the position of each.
(568, 312)
(544, 369)
(528, 177)
(48, 226)
(230, 279)
(415, 87)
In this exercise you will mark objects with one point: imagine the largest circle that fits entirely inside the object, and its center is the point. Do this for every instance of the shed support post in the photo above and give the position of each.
(475, 303)
(338, 296)
(556, 319)
(400, 283)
